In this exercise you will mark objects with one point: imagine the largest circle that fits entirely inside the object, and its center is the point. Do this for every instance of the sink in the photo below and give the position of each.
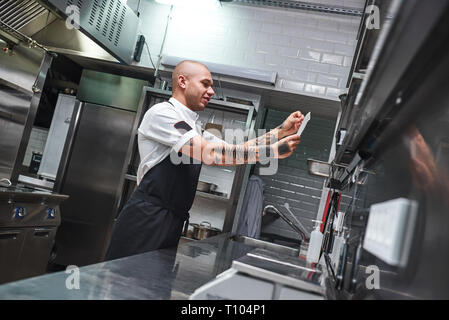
(253, 242)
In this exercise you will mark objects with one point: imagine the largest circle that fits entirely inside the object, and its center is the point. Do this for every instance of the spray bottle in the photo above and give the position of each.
(316, 240)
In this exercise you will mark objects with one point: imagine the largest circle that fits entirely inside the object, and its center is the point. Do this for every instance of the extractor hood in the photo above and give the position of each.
(111, 24)
(22, 18)
(105, 29)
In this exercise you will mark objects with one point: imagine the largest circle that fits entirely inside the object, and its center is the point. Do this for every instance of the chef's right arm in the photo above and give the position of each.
(162, 124)
(225, 154)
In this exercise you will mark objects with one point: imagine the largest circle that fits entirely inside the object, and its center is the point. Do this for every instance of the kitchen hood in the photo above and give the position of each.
(22, 19)
(99, 29)
(111, 24)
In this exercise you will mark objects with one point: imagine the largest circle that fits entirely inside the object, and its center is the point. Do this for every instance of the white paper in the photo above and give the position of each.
(303, 124)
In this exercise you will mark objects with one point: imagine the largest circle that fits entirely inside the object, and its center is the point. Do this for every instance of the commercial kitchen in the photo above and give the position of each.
(359, 211)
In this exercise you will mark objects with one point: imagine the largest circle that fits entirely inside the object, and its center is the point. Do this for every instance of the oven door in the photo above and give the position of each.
(11, 242)
(36, 252)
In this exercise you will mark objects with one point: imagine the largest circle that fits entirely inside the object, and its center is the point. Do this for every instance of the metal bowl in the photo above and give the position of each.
(204, 230)
(206, 186)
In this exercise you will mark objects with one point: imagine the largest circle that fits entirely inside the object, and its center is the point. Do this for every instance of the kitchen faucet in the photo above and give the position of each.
(286, 219)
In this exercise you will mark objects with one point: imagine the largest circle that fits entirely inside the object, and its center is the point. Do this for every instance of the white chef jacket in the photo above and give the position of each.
(166, 128)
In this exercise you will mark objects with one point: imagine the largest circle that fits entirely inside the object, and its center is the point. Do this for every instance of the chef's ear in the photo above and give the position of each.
(182, 81)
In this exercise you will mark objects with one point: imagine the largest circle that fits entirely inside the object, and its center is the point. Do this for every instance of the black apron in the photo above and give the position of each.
(154, 216)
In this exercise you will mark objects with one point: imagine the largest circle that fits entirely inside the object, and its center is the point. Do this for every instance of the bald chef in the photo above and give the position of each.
(154, 216)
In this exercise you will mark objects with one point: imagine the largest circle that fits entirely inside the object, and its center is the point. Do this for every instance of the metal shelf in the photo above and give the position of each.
(198, 193)
(213, 103)
(211, 196)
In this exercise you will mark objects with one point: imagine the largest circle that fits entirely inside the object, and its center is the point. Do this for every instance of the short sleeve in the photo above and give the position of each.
(162, 123)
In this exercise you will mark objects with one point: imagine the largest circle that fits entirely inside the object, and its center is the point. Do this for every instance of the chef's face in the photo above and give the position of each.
(199, 89)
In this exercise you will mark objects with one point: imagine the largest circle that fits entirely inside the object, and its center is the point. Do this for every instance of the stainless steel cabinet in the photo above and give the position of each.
(11, 241)
(39, 243)
(29, 219)
(24, 252)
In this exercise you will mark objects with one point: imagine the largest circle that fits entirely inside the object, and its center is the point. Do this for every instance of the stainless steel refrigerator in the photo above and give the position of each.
(97, 152)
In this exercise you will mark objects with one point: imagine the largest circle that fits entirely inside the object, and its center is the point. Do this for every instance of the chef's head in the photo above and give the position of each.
(192, 84)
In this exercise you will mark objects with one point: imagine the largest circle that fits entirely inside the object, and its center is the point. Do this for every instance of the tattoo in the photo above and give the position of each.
(283, 149)
(182, 127)
(266, 139)
(265, 153)
(280, 127)
(238, 154)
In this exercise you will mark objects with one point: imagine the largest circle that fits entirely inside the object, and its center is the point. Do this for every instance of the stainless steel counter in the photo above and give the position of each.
(161, 274)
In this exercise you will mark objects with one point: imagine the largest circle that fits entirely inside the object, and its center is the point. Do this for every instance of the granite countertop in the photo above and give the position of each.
(161, 274)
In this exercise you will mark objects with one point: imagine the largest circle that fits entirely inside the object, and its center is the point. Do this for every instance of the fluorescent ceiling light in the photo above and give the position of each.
(190, 3)
(233, 71)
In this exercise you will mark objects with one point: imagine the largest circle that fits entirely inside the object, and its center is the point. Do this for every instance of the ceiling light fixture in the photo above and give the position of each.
(265, 76)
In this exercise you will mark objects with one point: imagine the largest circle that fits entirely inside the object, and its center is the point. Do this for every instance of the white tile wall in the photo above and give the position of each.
(292, 183)
(285, 41)
(36, 143)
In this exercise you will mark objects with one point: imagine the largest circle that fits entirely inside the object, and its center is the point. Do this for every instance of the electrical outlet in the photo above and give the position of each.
(389, 231)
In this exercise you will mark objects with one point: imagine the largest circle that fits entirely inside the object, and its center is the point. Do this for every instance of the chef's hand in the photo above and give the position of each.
(291, 124)
(285, 147)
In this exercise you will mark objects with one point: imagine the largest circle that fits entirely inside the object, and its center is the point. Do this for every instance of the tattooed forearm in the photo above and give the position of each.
(266, 139)
(265, 153)
(263, 140)
(240, 154)
(283, 148)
